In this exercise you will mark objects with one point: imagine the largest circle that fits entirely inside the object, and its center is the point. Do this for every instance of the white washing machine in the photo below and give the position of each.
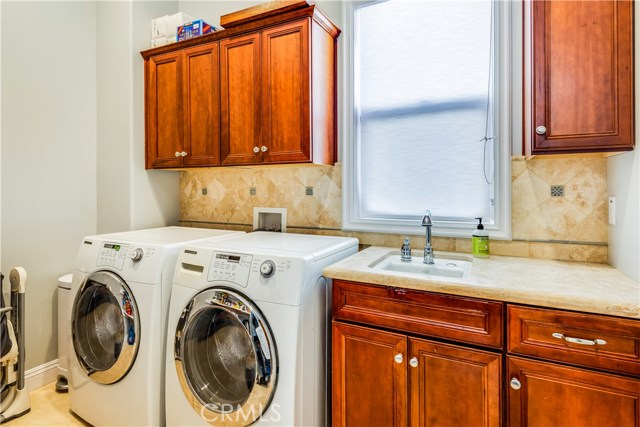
(247, 334)
(120, 292)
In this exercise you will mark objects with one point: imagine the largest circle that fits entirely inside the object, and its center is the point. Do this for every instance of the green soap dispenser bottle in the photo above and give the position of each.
(480, 241)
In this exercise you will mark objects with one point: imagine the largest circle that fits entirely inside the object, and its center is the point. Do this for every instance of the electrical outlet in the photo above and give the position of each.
(612, 210)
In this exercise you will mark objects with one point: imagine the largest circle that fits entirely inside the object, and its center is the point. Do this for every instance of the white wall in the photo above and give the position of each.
(155, 194)
(48, 151)
(129, 196)
(115, 115)
(623, 182)
(0, 144)
(72, 148)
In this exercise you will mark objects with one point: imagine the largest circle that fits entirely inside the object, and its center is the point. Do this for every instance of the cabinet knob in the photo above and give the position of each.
(178, 154)
(541, 130)
(264, 149)
(183, 154)
(515, 384)
(256, 150)
(398, 358)
(413, 362)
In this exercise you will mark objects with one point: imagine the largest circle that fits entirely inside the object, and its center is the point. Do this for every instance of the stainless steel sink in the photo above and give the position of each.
(444, 267)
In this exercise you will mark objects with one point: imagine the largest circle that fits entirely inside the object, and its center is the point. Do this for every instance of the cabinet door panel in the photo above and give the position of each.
(240, 99)
(553, 395)
(454, 386)
(369, 386)
(202, 106)
(164, 110)
(286, 108)
(582, 75)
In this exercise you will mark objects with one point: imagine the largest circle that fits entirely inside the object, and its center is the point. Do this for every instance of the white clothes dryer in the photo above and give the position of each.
(247, 334)
(120, 292)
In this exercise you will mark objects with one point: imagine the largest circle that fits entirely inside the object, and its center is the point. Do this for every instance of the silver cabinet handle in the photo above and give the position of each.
(264, 149)
(515, 384)
(398, 358)
(541, 130)
(183, 154)
(581, 341)
(178, 154)
(413, 362)
(256, 150)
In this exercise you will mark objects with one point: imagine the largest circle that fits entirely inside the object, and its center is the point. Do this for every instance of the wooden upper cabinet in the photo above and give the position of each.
(240, 99)
(164, 133)
(267, 95)
(582, 77)
(183, 109)
(286, 101)
(201, 106)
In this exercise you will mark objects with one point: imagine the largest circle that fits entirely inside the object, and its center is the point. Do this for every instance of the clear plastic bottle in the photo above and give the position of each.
(405, 251)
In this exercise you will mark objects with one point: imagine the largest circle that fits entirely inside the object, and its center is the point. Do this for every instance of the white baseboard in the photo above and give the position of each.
(42, 375)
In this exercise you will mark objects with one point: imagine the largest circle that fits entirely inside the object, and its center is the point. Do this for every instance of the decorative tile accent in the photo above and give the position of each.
(557, 191)
(576, 217)
(573, 227)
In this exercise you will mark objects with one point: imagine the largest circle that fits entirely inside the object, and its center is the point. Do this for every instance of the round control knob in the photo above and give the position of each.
(267, 268)
(136, 254)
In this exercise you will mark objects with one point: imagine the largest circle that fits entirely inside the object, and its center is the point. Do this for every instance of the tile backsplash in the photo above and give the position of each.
(570, 224)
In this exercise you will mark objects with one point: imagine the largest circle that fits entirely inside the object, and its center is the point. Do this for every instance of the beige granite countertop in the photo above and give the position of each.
(592, 288)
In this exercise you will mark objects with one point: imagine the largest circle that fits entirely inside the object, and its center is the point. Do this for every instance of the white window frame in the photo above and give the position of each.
(506, 99)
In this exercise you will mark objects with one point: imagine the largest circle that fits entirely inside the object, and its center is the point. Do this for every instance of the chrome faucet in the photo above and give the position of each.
(428, 250)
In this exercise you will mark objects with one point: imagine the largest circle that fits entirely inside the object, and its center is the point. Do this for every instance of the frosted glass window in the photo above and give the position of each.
(423, 105)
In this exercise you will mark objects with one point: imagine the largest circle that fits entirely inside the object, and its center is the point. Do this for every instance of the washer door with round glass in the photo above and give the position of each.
(105, 327)
(225, 358)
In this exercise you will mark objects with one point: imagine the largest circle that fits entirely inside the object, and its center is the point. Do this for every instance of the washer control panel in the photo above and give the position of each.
(230, 267)
(113, 255)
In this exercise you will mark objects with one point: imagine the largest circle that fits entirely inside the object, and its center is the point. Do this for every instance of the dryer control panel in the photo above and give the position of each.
(230, 267)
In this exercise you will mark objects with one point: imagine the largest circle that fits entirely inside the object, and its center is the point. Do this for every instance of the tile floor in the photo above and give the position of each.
(48, 408)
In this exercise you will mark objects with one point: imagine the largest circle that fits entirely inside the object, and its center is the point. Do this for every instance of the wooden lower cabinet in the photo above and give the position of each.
(369, 386)
(546, 394)
(388, 379)
(453, 386)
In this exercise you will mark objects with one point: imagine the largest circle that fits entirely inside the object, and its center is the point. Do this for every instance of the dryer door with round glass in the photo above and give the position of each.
(225, 357)
(105, 327)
